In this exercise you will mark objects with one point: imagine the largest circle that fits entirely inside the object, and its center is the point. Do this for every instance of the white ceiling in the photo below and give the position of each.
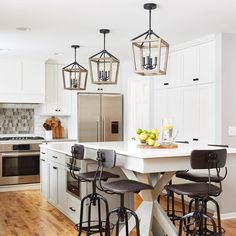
(56, 24)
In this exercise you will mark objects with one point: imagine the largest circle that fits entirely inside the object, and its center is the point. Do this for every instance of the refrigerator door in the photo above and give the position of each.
(112, 117)
(89, 129)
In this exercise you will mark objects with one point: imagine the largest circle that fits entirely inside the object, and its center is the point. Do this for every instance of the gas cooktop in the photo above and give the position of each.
(21, 138)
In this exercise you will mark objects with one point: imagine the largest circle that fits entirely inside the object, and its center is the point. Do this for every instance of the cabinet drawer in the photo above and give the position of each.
(43, 152)
(56, 157)
(73, 209)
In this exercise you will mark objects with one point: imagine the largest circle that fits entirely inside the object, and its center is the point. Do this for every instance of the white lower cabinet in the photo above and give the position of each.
(73, 208)
(44, 173)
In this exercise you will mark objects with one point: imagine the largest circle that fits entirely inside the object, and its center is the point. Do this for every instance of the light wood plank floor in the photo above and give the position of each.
(26, 213)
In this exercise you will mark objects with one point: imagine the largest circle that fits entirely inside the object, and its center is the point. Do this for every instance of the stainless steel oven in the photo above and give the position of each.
(19, 163)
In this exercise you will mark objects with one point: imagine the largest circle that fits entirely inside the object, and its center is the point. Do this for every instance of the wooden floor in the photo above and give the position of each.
(27, 213)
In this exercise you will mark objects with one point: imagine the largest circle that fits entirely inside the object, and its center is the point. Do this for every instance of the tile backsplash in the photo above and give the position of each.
(24, 119)
(16, 120)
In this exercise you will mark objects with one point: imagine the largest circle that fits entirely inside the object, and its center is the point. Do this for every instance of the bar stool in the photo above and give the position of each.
(202, 177)
(201, 192)
(94, 199)
(107, 158)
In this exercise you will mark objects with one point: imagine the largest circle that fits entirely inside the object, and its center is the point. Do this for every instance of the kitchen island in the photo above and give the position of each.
(145, 165)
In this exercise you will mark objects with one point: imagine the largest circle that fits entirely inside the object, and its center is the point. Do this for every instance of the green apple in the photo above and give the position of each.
(139, 131)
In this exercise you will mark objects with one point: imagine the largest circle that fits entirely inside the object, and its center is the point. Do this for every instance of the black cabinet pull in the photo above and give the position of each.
(54, 167)
(195, 79)
(59, 110)
(42, 160)
(101, 88)
(55, 157)
(56, 110)
(72, 209)
(98, 88)
(43, 153)
(195, 139)
(166, 83)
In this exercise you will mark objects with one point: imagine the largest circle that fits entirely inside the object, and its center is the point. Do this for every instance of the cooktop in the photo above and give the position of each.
(21, 138)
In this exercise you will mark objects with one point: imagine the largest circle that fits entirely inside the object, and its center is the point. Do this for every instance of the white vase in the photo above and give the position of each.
(48, 134)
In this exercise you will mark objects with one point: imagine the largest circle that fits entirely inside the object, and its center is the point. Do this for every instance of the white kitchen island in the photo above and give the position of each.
(145, 165)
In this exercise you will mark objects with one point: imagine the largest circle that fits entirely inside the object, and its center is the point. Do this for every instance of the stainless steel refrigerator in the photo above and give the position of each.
(100, 117)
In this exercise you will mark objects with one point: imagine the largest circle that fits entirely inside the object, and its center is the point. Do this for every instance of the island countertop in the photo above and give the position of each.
(129, 148)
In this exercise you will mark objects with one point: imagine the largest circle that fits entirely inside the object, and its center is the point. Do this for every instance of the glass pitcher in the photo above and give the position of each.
(169, 132)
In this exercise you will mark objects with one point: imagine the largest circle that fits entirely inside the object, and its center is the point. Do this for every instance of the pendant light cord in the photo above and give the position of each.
(75, 54)
(104, 43)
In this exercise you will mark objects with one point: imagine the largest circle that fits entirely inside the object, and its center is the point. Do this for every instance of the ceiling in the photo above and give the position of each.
(56, 24)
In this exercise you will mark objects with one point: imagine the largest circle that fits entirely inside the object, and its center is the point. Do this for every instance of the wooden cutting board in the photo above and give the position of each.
(58, 131)
(161, 146)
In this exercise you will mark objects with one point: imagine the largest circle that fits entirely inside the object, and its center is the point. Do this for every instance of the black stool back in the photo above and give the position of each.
(106, 158)
(77, 151)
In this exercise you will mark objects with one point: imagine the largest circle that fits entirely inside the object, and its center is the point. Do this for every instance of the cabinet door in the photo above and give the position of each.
(175, 69)
(190, 64)
(51, 90)
(33, 80)
(206, 62)
(191, 113)
(141, 99)
(53, 183)
(44, 174)
(207, 113)
(62, 188)
(63, 96)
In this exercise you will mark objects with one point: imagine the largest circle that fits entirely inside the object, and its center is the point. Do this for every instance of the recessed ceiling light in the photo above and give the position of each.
(22, 28)
(58, 53)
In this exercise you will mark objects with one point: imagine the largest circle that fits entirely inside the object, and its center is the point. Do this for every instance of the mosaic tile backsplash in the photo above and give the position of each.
(16, 120)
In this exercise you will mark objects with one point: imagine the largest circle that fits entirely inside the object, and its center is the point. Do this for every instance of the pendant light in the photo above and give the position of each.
(150, 52)
(104, 67)
(74, 75)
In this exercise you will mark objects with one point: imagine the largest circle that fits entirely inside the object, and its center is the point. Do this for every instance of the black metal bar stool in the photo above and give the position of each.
(107, 158)
(201, 192)
(202, 177)
(94, 199)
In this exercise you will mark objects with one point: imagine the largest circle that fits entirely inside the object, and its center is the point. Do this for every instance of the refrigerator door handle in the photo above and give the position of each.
(104, 129)
(97, 130)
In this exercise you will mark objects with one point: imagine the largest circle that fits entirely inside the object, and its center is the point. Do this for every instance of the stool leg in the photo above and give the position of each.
(99, 217)
(117, 226)
(173, 206)
(108, 230)
(81, 214)
(136, 220)
(126, 224)
(217, 212)
(89, 218)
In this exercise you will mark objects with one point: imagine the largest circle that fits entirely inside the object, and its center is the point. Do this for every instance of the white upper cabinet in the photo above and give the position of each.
(22, 81)
(58, 100)
(33, 83)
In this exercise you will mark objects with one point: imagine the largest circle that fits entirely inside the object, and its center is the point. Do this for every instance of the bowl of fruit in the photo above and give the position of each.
(146, 137)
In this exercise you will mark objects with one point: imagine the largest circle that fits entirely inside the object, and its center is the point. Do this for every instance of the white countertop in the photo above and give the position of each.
(130, 149)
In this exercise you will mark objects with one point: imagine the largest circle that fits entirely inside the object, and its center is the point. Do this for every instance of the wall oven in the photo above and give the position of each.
(19, 163)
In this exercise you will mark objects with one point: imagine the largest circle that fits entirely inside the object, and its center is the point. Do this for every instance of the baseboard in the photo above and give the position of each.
(19, 187)
(228, 216)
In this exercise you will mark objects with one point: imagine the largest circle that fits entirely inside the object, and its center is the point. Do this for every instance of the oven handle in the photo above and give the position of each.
(20, 154)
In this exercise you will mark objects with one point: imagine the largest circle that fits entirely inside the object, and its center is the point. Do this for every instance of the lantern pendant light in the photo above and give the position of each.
(104, 67)
(150, 52)
(74, 75)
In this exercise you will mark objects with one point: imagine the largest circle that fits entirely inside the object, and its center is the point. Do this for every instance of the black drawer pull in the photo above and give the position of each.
(42, 160)
(43, 153)
(195, 79)
(72, 209)
(55, 157)
(54, 167)
(166, 83)
(195, 139)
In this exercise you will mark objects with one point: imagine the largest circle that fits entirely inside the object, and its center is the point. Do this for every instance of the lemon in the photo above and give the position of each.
(151, 142)
(139, 131)
(145, 131)
(168, 127)
(153, 136)
(143, 136)
(154, 131)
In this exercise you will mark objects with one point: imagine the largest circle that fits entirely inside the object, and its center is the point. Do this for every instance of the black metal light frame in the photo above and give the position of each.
(99, 60)
(75, 75)
(149, 65)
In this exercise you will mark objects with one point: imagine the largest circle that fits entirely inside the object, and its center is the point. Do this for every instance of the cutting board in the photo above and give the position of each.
(58, 131)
